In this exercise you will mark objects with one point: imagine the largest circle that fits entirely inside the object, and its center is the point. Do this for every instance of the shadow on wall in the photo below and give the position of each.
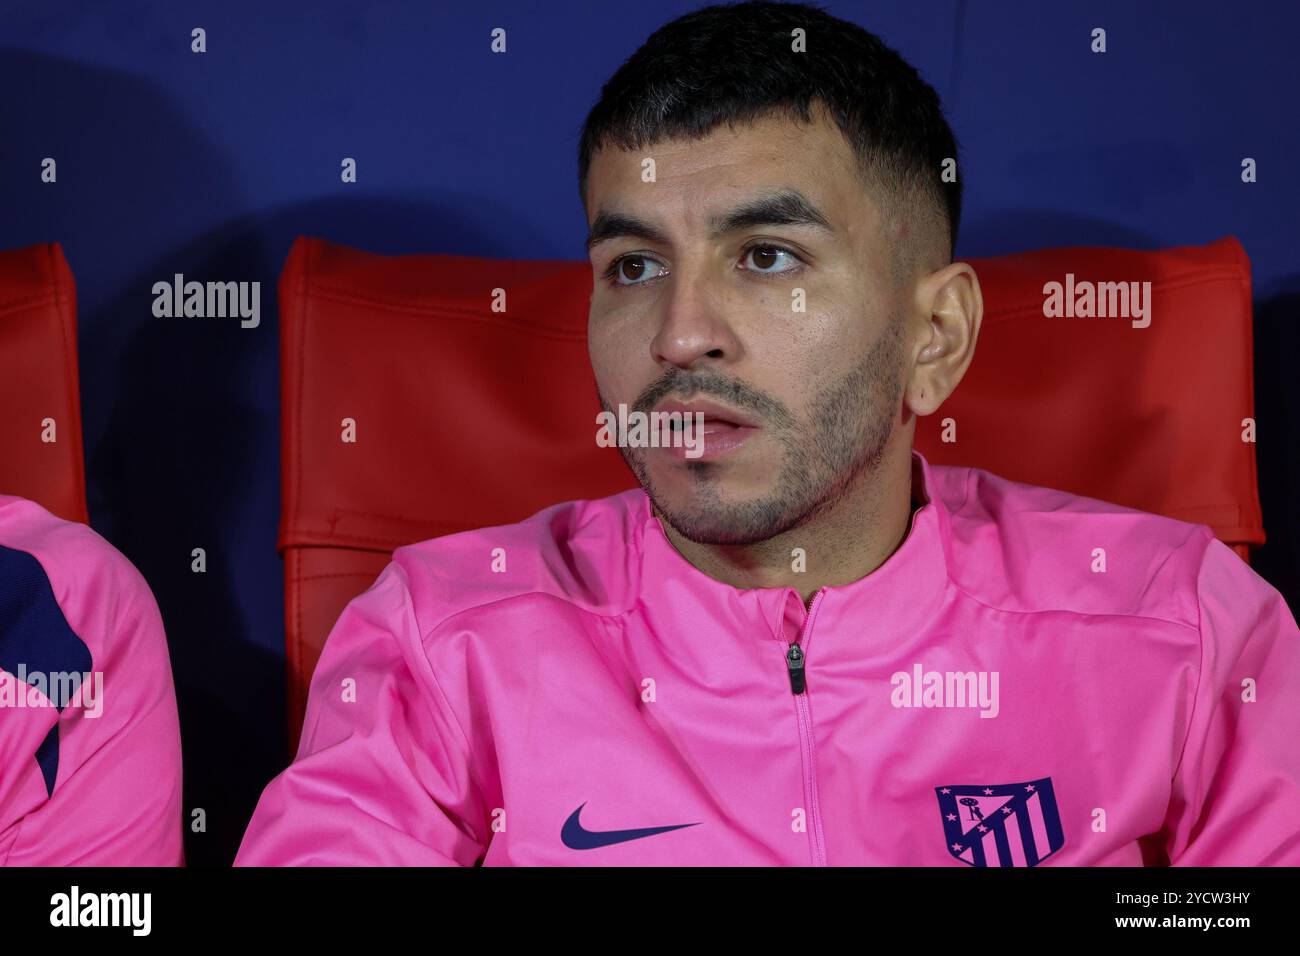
(1277, 409)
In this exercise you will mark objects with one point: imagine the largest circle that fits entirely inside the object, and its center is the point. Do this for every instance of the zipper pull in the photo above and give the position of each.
(794, 664)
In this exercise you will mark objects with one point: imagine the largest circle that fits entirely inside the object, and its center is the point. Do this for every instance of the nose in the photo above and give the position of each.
(693, 329)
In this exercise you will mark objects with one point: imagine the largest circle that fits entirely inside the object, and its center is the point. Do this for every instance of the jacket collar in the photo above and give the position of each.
(901, 595)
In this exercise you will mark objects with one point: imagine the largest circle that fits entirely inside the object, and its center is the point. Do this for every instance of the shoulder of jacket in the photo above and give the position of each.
(93, 585)
(1029, 548)
(574, 552)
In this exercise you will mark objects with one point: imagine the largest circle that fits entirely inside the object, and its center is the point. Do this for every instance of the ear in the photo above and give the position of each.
(949, 308)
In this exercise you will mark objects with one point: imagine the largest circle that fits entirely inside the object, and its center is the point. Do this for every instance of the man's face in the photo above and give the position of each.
(700, 312)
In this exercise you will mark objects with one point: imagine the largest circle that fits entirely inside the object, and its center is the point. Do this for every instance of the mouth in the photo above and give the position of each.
(725, 430)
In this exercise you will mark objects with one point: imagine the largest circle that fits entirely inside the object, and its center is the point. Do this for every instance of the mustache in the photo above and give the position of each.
(687, 385)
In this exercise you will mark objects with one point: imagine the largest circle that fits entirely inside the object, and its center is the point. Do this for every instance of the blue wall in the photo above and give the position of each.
(211, 164)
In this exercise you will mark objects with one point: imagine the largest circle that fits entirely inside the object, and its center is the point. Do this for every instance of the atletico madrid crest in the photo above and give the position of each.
(1009, 824)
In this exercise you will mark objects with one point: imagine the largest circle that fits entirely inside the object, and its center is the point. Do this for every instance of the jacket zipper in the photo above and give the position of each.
(795, 660)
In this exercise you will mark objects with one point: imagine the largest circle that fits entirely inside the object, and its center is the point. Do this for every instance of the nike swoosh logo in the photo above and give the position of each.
(576, 837)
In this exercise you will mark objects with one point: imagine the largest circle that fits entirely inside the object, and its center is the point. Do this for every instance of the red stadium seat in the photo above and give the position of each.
(39, 394)
(465, 416)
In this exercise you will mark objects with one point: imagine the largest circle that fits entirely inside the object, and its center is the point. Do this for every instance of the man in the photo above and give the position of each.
(90, 748)
(807, 645)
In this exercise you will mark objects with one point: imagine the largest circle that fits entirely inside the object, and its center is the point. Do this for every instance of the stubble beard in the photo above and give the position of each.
(840, 444)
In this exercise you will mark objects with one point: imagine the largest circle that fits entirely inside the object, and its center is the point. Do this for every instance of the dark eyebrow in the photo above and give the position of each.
(788, 207)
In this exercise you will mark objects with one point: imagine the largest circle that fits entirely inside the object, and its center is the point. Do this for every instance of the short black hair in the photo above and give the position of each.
(733, 63)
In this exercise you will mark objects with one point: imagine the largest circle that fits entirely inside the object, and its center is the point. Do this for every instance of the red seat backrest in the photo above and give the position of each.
(40, 406)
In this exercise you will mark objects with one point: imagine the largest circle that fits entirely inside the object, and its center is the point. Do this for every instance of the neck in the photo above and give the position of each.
(845, 542)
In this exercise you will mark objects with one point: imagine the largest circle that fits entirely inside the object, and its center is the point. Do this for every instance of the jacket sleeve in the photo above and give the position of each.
(1236, 792)
(113, 755)
(382, 776)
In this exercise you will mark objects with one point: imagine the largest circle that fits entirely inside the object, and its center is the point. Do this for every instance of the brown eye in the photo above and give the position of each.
(632, 269)
(765, 256)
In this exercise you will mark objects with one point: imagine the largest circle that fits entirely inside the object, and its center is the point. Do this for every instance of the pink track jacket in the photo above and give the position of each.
(1032, 678)
(90, 748)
